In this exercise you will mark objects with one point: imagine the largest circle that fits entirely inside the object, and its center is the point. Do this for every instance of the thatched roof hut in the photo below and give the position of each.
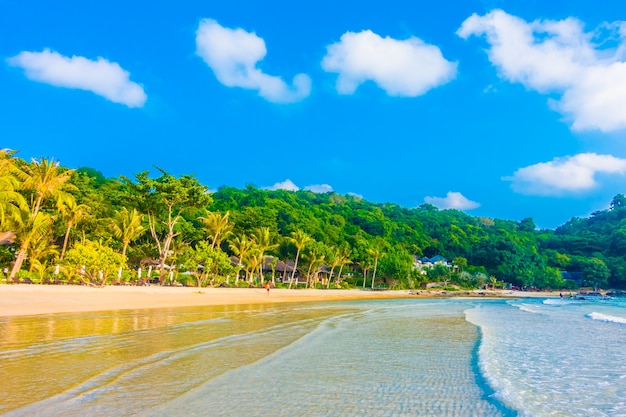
(7, 238)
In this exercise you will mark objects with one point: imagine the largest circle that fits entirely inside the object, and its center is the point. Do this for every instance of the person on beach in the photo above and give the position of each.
(267, 287)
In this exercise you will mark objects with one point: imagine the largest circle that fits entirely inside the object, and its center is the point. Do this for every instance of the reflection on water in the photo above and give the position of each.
(394, 357)
(140, 357)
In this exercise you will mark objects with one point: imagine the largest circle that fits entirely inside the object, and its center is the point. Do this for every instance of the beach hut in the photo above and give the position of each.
(7, 238)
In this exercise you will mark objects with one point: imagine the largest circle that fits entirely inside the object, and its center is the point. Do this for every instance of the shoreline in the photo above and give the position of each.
(32, 299)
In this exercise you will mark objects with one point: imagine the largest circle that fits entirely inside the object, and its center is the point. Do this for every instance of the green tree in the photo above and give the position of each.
(618, 202)
(165, 199)
(596, 273)
(375, 253)
(263, 240)
(127, 226)
(460, 263)
(343, 259)
(72, 213)
(299, 240)
(39, 253)
(241, 246)
(29, 230)
(11, 201)
(217, 226)
(213, 261)
(45, 179)
(94, 261)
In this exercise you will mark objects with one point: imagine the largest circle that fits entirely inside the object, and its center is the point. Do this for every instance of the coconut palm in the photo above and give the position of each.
(263, 241)
(11, 201)
(29, 230)
(335, 257)
(366, 265)
(39, 251)
(344, 259)
(300, 240)
(127, 226)
(45, 179)
(217, 226)
(375, 253)
(72, 213)
(241, 246)
(314, 258)
(255, 261)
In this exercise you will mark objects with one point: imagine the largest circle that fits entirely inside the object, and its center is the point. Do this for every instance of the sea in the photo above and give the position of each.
(400, 357)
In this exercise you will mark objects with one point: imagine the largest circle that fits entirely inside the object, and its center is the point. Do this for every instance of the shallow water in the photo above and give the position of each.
(555, 357)
(367, 358)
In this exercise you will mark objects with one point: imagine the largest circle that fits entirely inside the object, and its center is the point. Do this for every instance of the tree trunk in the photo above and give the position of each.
(19, 260)
(67, 236)
(308, 276)
(330, 277)
(295, 266)
(339, 274)
(374, 276)
(364, 277)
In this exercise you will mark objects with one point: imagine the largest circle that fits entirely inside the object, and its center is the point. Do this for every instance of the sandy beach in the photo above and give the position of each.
(23, 299)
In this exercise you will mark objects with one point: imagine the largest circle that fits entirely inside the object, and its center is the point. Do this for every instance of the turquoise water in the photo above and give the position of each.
(526, 357)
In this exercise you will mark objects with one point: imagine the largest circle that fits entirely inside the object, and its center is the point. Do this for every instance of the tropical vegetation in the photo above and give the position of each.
(75, 224)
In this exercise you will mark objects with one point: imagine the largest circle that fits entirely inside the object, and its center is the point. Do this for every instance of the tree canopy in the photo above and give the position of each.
(174, 221)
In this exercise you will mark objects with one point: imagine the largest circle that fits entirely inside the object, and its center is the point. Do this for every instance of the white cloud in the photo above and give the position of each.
(319, 188)
(233, 54)
(102, 77)
(400, 67)
(562, 175)
(287, 185)
(355, 195)
(453, 200)
(559, 57)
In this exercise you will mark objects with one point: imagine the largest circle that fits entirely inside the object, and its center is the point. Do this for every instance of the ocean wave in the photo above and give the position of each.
(528, 308)
(558, 301)
(607, 318)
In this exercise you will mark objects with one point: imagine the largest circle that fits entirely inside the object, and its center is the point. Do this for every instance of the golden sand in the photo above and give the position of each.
(23, 299)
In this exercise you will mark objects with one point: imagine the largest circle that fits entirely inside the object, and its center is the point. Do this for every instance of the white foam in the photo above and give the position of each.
(606, 318)
(528, 308)
(558, 301)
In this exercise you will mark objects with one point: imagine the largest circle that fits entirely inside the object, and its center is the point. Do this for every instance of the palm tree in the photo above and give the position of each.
(315, 259)
(40, 250)
(255, 261)
(217, 226)
(45, 179)
(28, 231)
(177, 248)
(11, 201)
(493, 281)
(72, 213)
(127, 227)
(263, 240)
(335, 254)
(376, 253)
(300, 240)
(241, 247)
(365, 265)
(344, 259)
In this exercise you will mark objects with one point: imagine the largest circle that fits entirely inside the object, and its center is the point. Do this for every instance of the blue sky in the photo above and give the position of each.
(505, 109)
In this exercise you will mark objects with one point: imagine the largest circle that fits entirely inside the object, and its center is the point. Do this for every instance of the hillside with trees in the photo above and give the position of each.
(78, 226)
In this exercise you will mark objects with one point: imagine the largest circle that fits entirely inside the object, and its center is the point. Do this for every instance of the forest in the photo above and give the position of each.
(75, 225)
